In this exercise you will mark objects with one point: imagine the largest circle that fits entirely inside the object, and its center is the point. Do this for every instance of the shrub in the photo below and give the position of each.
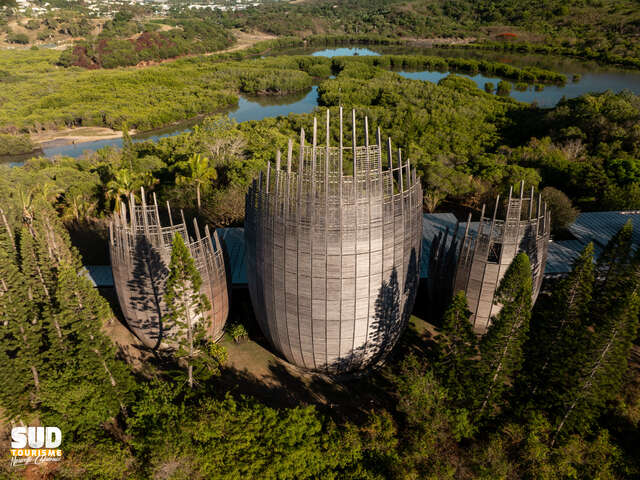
(238, 333)
(562, 212)
(218, 353)
(319, 70)
(15, 144)
(489, 87)
(20, 38)
(504, 88)
(45, 34)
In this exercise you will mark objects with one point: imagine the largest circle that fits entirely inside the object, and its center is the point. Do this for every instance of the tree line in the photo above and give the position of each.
(110, 50)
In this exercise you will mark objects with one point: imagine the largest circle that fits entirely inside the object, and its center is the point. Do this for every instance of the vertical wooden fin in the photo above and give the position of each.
(379, 142)
(268, 175)
(196, 228)
(353, 147)
(341, 145)
(301, 160)
(400, 166)
(366, 131)
(531, 204)
(132, 210)
(313, 147)
(169, 211)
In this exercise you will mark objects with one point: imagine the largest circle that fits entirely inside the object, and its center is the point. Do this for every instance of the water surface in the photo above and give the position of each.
(552, 94)
(594, 78)
(249, 108)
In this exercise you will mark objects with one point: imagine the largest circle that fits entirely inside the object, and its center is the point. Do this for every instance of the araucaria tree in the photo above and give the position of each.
(611, 330)
(187, 307)
(457, 347)
(21, 332)
(501, 347)
(54, 358)
(560, 337)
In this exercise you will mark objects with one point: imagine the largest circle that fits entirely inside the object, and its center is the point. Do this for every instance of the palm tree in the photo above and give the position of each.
(121, 186)
(200, 172)
(50, 191)
(125, 182)
(79, 208)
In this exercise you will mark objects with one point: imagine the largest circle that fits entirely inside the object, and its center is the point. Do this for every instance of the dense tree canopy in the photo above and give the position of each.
(547, 393)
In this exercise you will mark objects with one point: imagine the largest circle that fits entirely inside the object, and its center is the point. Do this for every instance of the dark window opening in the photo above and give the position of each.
(495, 249)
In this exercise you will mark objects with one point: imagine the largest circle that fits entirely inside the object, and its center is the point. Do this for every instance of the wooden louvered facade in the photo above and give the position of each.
(140, 250)
(333, 258)
(521, 224)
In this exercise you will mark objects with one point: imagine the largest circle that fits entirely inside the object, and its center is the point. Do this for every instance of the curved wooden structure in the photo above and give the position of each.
(333, 259)
(140, 250)
(523, 225)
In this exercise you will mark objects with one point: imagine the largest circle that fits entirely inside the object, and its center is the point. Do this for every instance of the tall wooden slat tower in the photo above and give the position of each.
(485, 254)
(333, 258)
(140, 250)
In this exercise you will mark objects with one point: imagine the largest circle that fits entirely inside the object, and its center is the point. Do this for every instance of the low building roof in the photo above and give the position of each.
(99, 275)
(596, 227)
(232, 240)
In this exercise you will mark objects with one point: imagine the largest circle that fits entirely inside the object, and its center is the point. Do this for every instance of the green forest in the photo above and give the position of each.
(109, 49)
(449, 406)
(551, 391)
(584, 27)
(43, 96)
(544, 394)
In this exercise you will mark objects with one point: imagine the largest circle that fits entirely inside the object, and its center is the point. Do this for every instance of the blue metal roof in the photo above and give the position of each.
(232, 240)
(432, 225)
(100, 275)
(599, 227)
(596, 227)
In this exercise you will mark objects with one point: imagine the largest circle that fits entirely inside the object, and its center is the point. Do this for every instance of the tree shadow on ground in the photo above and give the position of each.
(268, 377)
(265, 375)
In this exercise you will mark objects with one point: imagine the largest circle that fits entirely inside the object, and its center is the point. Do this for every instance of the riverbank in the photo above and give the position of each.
(438, 41)
(69, 136)
(174, 111)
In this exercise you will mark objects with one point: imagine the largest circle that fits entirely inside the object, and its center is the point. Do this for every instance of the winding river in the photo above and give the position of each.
(593, 78)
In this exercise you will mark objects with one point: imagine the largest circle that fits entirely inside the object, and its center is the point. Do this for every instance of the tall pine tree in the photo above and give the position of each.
(501, 347)
(612, 326)
(187, 307)
(457, 347)
(58, 362)
(560, 339)
(21, 335)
